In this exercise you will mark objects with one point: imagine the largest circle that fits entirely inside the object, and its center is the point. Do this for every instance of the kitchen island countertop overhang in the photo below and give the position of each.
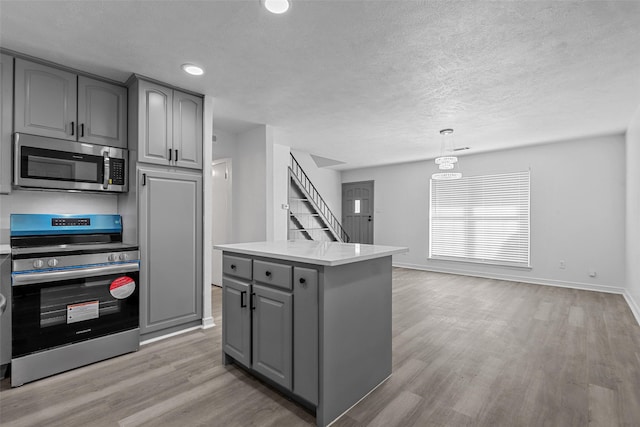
(313, 252)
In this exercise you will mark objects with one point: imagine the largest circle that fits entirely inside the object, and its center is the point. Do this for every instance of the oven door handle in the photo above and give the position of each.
(55, 276)
(3, 304)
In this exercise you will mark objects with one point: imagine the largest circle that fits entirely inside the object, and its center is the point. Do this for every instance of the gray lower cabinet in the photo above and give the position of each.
(272, 339)
(6, 121)
(270, 325)
(237, 320)
(170, 226)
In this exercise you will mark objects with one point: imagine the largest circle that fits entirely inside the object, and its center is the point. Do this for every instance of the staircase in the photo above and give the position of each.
(309, 216)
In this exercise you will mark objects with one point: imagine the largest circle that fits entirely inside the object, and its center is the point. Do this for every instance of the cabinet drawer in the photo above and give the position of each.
(236, 266)
(273, 274)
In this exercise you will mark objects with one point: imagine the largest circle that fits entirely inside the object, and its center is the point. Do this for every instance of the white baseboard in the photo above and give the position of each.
(633, 305)
(635, 308)
(173, 334)
(208, 322)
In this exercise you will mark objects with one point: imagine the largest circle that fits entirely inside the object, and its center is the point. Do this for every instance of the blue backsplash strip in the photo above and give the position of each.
(43, 224)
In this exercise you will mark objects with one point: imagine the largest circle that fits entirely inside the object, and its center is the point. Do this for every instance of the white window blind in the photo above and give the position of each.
(481, 219)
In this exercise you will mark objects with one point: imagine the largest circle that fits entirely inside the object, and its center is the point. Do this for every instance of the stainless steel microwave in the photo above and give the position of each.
(41, 162)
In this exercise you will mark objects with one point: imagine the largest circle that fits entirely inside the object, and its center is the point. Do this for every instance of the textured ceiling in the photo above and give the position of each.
(364, 82)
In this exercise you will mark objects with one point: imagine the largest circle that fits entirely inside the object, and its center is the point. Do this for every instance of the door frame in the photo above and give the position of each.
(216, 255)
(373, 191)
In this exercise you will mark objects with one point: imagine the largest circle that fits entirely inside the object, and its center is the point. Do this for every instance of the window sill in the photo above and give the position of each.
(481, 262)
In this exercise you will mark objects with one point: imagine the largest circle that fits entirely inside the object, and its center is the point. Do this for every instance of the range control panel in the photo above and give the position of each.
(70, 222)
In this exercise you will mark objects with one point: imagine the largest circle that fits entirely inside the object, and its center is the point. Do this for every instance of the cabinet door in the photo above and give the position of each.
(236, 320)
(272, 339)
(45, 101)
(170, 225)
(102, 115)
(6, 111)
(155, 123)
(305, 333)
(187, 130)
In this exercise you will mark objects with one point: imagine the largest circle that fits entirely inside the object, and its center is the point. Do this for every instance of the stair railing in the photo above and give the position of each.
(322, 207)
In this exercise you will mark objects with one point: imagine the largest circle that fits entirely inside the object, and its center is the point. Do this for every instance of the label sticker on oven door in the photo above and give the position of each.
(82, 311)
(122, 287)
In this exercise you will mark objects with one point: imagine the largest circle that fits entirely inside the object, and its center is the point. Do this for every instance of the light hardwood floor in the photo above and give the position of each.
(466, 352)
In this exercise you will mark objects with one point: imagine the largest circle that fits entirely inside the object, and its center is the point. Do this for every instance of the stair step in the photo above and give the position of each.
(303, 214)
(308, 229)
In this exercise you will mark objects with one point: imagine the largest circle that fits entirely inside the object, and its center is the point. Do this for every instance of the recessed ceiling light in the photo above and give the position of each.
(276, 6)
(194, 70)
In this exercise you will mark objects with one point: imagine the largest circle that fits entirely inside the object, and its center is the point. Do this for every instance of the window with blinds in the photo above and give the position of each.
(481, 219)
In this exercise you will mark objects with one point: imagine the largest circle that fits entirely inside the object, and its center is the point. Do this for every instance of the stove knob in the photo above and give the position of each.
(123, 257)
(112, 257)
(38, 263)
(52, 262)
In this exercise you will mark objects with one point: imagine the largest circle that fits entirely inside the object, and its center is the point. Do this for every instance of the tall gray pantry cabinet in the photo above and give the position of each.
(171, 248)
(165, 127)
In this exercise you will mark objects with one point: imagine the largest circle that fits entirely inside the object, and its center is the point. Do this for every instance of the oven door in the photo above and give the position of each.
(55, 308)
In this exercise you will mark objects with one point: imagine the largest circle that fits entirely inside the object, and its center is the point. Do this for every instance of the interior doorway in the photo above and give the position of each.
(221, 214)
(357, 211)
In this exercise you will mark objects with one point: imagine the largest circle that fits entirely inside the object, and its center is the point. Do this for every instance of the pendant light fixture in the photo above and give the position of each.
(447, 161)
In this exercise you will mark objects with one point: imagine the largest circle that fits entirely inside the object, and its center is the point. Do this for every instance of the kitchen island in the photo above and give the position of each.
(311, 318)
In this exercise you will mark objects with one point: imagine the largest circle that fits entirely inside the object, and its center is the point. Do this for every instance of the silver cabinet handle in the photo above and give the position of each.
(80, 273)
(3, 304)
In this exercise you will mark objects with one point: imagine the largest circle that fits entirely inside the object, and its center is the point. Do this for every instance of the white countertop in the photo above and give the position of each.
(5, 249)
(312, 252)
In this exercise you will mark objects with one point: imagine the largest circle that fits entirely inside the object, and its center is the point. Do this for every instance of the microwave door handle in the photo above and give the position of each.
(105, 179)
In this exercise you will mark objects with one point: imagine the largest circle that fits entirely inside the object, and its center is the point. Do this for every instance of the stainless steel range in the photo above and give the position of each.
(75, 293)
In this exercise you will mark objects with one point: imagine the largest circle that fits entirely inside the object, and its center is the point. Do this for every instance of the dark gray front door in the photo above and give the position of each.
(357, 211)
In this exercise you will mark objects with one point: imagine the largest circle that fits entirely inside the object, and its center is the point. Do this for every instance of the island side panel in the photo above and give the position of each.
(355, 334)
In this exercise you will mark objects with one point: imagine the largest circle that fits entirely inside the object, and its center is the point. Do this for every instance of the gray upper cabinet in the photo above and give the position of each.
(170, 224)
(60, 104)
(155, 123)
(45, 100)
(187, 130)
(169, 126)
(102, 113)
(6, 115)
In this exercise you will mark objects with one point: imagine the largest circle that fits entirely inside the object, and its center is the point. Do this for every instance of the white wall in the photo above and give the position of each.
(249, 198)
(577, 211)
(328, 182)
(280, 191)
(53, 202)
(225, 145)
(633, 214)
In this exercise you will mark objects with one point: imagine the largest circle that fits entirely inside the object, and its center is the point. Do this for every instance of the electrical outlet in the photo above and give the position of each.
(563, 264)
